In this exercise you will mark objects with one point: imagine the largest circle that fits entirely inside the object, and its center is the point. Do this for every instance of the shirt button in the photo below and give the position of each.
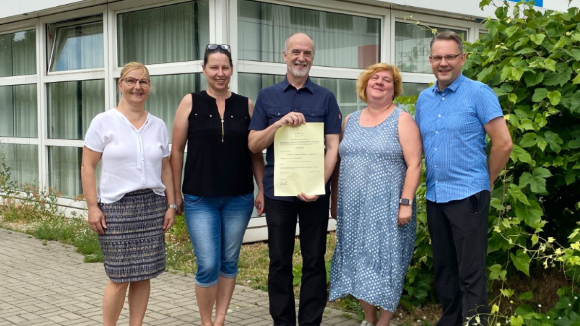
(436, 131)
(232, 116)
(435, 165)
(210, 115)
(435, 148)
(436, 181)
(439, 116)
(278, 113)
(442, 99)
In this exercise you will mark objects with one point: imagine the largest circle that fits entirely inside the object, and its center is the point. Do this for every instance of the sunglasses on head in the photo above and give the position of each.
(211, 47)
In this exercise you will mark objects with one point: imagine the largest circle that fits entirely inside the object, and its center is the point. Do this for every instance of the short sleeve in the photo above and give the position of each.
(94, 138)
(333, 119)
(487, 104)
(417, 109)
(259, 120)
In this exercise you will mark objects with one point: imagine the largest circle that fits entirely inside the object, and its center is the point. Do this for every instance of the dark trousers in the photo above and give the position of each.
(281, 217)
(459, 238)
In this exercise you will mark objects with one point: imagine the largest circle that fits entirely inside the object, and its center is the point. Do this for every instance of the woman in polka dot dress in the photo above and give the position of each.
(380, 168)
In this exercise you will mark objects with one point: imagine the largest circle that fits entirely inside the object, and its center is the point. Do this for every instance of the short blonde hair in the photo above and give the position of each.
(365, 76)
(130, 67)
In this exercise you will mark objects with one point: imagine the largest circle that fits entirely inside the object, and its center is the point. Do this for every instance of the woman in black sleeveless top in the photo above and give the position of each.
(218, 190)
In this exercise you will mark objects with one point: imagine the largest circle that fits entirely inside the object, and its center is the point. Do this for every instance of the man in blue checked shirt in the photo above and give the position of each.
(454, 116)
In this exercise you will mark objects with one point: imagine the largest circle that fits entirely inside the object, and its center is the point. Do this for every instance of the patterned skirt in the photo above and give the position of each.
(133, 245)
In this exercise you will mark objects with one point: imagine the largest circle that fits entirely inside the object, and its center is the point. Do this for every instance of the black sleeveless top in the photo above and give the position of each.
(218, 159)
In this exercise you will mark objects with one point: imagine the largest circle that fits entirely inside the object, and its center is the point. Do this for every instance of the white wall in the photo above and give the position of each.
(19, 7)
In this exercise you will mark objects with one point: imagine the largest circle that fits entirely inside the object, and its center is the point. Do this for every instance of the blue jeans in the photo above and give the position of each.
(216, 226)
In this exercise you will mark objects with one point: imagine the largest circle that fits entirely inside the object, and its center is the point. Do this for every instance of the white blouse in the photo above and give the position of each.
(131, 157)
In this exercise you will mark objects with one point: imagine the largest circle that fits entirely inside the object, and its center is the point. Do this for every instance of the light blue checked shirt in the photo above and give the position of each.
(451, 123)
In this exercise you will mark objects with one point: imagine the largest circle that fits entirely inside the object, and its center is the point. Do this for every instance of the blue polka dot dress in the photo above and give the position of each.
(372, 252)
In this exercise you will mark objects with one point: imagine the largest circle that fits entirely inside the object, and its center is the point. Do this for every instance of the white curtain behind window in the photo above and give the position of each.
(23, 163)
(17, 54)
(72, 106)
(65, 173)
(173, 33)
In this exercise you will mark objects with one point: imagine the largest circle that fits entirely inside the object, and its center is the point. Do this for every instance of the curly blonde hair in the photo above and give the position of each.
(365, 76)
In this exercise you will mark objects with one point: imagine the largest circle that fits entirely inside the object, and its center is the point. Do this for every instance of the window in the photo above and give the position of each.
(18, 111)
(412, 46)
(18, 54)
(22, 160)
(71, 107)
(174, 33)
(65, 170)
(75, 44)
(413, 89)
(343, 89)
(340, 40)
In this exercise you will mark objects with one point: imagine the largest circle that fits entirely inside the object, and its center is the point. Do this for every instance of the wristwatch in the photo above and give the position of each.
(174, 206)
(406, 201)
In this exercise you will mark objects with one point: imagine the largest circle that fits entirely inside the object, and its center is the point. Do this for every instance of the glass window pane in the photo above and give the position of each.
(22, 160)
(174, 33)
(413, 89)
(18, 111)
(412, 46)
(71, 107)
(65, 170)
(341, 40)
(18, 54)
(343, 89)
(76, 44)
(169, 90)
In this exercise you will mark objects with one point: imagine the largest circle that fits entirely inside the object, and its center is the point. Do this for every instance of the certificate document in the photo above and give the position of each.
(299, 160)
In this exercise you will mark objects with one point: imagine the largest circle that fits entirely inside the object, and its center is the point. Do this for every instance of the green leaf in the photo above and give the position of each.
(574, 143)
(553, 140)
(484, 73)
(542, 144)
(570, 177)
(525, 51)
(513, 98)
(526, 124)
(516, 321)
(526, 296)
(561, 42)
(537, 38)
(534, 239)
(496, 203)
(531, 214)
(496, 272)
(528, 140)
(510, 31)
(576, 80)
(521, 261)
(539, 94)
(576, 37)
(536, 180)
(575, 53)
(516, 73)
(507, 292)
(551, 79)
(555, 97)
(525, 311)
(533, 78)
(517, 194)
(520, 154)
(550, 64)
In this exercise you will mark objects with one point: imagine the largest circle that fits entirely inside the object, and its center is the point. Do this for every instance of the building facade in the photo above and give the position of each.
(60, 60)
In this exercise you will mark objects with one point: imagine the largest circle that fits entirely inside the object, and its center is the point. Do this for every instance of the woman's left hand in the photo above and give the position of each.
(259, 202)
(169, 219)
(405, 214)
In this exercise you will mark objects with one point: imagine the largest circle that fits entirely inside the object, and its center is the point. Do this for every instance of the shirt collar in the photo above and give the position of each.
(309, 85)
(453, 87)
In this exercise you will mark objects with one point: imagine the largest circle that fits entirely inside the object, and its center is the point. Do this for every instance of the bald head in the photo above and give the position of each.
(298, 36)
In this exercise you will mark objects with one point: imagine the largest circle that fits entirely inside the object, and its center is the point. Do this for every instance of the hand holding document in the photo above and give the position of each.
(299, 155)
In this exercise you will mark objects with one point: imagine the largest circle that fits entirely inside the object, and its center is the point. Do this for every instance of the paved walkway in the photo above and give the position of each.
(47, 283)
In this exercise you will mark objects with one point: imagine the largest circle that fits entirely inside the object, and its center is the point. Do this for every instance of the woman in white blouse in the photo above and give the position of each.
(130, 210)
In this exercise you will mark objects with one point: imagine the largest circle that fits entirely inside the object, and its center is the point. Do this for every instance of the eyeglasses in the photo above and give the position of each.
(211, 47)
(142, 82)
(448, 58)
